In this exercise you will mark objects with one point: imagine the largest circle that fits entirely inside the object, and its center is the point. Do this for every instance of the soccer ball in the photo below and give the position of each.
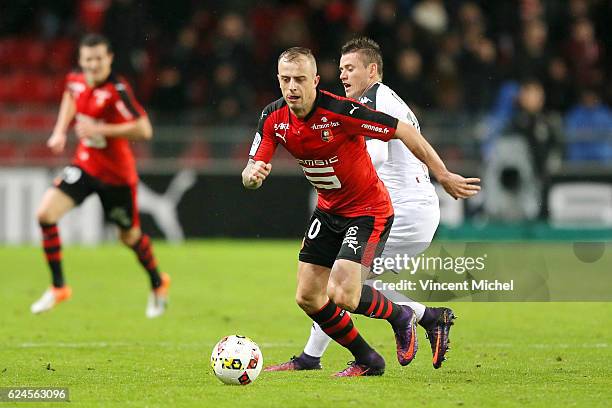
(236, 360)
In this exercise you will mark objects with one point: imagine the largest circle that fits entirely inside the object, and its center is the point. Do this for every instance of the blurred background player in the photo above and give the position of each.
(415, 203)
(354, 214)
(107, 117)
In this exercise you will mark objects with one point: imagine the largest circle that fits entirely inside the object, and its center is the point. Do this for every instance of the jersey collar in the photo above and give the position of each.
(315, 105)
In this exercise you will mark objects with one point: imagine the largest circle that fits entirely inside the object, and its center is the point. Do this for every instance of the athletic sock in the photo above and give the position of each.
(317, 342)
(305, 360)
(430, 316)
(375, 305)
(401, 299)
(338, 325)
(52, 246)
(144, 252)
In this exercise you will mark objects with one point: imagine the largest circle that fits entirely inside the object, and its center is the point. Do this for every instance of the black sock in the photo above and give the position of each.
(144, 252)
(52, 246)
(375, 305)
(430, 316)
(338, 325)
(309, 360)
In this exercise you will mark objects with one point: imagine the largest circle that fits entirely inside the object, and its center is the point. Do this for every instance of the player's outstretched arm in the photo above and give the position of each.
(139, 129)
(454, 184)
(57, 141)
(255, 173)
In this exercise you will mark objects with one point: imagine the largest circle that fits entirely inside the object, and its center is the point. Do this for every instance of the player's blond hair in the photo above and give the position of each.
(293, 53)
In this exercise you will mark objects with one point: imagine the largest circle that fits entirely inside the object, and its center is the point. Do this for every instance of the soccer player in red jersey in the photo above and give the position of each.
(350, 225)
(108, 118)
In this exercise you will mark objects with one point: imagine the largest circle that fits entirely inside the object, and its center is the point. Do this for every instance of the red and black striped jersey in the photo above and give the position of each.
(330, 147)
(108, 159)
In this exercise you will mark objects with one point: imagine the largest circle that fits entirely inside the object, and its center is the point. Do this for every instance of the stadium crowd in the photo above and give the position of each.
(218, 62)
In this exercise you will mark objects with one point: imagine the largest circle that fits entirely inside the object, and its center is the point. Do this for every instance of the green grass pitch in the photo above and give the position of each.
(101, 346)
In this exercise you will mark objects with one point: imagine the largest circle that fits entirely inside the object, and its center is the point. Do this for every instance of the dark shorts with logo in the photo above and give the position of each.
(330, 237)
(119, 202)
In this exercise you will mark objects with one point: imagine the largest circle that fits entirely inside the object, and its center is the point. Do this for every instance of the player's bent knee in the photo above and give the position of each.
(44, 216)
(130, 237)
(345, 300)
(310, 303)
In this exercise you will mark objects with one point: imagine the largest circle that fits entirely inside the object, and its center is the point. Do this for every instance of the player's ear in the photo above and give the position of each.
(317, 79)
(372, 70)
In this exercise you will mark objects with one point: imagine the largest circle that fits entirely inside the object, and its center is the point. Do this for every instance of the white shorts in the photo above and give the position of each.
(414, 226)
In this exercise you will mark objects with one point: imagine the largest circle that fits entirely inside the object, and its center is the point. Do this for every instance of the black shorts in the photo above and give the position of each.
(119, 202)
(330, 237)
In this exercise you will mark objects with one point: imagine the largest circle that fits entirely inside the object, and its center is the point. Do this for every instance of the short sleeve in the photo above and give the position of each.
(358, 119)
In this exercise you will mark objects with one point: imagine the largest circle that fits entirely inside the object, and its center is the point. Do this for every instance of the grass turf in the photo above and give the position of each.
(100, 345)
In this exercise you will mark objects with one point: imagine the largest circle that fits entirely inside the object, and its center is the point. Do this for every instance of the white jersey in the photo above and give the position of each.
(417, 211)
(405, 176)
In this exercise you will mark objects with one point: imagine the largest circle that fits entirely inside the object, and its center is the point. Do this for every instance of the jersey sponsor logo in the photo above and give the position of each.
(318, 162)
(281, 126)
(123, 110)
(319, 126)
(365, 99)
(255, 145)
(350, 238)
(374, 128)
(353, 109)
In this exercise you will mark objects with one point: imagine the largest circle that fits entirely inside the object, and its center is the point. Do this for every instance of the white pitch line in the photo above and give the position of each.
(110, 344)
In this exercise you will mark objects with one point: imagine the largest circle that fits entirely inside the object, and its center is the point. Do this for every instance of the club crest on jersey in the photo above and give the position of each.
(327, 135)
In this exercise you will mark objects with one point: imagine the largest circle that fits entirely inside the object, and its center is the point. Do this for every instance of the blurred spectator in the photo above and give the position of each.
(558, 84)
(124, 26)
(431, 16)
(229, 97)
(169, 95)
(533, 57)
(584, 53)
(478, 71)
(589, 129)
(541, 131)
(410, 83)
(328, 71)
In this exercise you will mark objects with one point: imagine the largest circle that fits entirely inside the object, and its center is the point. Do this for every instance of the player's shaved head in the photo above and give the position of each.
(368, 50)
(295, 53)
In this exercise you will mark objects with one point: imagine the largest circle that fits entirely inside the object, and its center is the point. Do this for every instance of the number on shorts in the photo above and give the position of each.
(314, 229)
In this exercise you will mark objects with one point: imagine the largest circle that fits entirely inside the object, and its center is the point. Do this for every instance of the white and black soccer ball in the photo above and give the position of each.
(236, 360)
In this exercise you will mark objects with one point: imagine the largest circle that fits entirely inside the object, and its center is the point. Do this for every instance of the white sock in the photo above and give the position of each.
(317, 342)
(418, 308)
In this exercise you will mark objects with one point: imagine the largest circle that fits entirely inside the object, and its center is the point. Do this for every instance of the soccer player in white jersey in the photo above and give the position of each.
(417, 212)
